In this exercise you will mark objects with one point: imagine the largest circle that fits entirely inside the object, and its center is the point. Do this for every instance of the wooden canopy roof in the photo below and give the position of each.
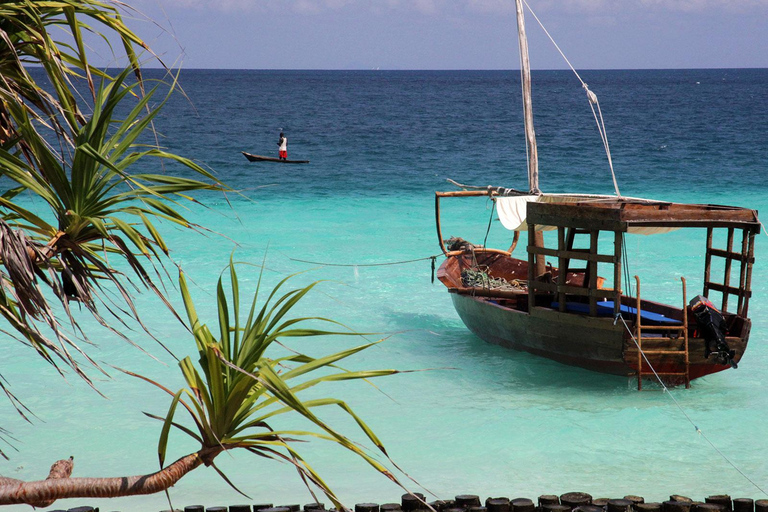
(623, 215)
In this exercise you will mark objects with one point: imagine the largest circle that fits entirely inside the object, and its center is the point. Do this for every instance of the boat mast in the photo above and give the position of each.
(525, 72)
(539, 267)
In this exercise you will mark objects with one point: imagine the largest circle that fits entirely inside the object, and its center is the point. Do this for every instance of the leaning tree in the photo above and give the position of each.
(233, 396)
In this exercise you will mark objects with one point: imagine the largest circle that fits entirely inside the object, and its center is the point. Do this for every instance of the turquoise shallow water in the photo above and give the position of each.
(482, 420)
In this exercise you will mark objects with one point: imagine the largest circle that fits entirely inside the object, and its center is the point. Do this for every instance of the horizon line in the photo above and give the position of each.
(450, 69)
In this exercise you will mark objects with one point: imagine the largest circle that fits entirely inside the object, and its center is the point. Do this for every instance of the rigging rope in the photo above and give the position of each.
(658, 378)
(490, 221)
(669, 393)
(625, 257)
(591, 96)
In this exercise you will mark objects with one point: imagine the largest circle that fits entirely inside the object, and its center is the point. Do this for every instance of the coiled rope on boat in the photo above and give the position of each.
(476, 278)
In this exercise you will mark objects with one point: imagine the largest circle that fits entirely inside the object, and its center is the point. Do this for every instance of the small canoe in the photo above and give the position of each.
(259, 158)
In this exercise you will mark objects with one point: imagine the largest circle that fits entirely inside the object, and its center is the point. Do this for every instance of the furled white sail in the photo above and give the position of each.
(512, 210)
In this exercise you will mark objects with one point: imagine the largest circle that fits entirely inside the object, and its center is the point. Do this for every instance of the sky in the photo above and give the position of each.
(452, 34)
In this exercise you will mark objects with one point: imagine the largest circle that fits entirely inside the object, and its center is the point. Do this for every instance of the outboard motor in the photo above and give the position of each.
(712, 326)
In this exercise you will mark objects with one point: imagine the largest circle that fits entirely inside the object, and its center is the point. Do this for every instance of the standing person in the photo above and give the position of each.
(283, 143)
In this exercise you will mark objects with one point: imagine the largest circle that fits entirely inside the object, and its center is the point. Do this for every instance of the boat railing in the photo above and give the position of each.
(590, 289)
(745, 259)
(459, 193)
(477, 250)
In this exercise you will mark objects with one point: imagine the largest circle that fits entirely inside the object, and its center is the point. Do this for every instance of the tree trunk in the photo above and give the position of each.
(45, 492)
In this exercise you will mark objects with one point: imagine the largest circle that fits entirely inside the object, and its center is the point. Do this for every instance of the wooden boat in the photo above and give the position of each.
(568, 314)
(565, 311)
(259, 158)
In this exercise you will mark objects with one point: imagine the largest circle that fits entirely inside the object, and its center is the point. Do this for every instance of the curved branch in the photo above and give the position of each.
(47, 491)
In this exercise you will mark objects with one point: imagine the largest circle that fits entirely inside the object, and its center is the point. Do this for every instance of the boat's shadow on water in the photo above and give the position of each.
(523, 370)
(451, 345)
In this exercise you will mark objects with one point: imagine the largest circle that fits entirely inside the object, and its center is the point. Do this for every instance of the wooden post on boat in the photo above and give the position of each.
(562, 265)
(746, 286)
(685, 335)
(532, 256)
(540, 260)
(727, 273)
(638, 336)
(591, 273)
(618, 239)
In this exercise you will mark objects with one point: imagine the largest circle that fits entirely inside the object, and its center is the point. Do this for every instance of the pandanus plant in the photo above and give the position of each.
(50, 35)
(234, 398)
(97, 208)
(72, 154)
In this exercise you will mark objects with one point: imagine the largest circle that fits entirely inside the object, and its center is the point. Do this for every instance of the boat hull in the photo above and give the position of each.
(574, 337)
(592, 343)
(260, 158)
(588, 342)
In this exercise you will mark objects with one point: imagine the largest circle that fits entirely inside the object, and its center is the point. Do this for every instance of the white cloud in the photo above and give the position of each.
(247, 6)
(494, 6)
(306, 7)
(426, 6)
(433, 7)
(666, 5)
(703, 5)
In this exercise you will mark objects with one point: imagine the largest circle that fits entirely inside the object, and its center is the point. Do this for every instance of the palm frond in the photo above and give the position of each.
(93, 199)
(235, 393)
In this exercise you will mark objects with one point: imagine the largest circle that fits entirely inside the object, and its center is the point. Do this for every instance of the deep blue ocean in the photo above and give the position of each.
(481, 420)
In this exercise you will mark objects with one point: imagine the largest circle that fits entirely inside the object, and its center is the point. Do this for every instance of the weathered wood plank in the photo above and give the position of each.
(583, 217)
(619, 217)
(576, 254)
(729, 289)
(732, 255)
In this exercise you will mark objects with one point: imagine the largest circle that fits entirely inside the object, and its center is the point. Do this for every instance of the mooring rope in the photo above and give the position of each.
(591, 96)
(365, 264)
(690, 420)
(355, 266)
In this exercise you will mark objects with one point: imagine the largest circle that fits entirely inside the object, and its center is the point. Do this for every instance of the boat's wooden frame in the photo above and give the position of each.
(260, 158)
(536, 318)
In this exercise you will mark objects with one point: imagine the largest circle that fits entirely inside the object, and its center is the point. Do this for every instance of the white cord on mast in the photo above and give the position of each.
(591, 96)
